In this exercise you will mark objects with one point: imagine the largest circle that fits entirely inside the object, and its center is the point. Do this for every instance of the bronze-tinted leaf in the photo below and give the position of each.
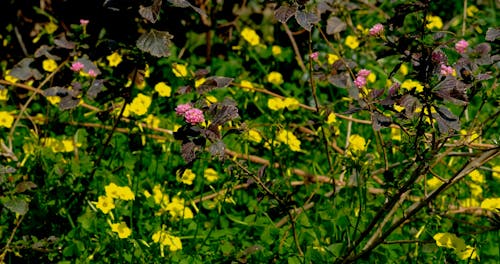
(25, 186)
(380, 120)
(214, 82)
(184, 4)
(492, 34)
(306, 20)
(155, 42)
(95, 88)
(88, 66)
(44, 51)
(283, 13)
(188, 151)
(152, 12)
(217, 149)
(70, 98)
(335, 25)
(453, 90)
(447, 121)
(23, 71)
(223, 112)
(62, 42)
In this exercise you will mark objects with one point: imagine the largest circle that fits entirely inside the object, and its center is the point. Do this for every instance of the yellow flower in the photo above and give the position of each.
(352, 42)
(211, 99)
(434, 22)
(403, 69)
(250, 36)
(469, 202)
(50, 27)
(140, 104)
(187, 177)
(332, 118)
(472, 10)
(449, 240)
(275, 103)
(254, 136)
(105, 203)
(114, 191)
(54, 99)
(491, 204)
(65, 145)
(434, 183)
(357, 143)
(9, 77)
(467, 253)
(276, 50)
(49, 65)
(363, 30)
(395, 134)
(152, 121)
(371, 77)
(158, 196)
(289, 138)
(163, 89)
(475, 189)
(496, 172)
(246, 85)
(122, 229)
(165, 239)
(476, 176)
(275, 78)
(179, 70)
(398, 108)
(211, 175)
(411, 84)
(3, 94)
(199, 82)
(177, 209)
(114, 59)
(6, 119)
(332, 58)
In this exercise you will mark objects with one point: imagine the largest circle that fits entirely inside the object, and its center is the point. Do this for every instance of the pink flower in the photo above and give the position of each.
(92, 73)
(77, 66)
(446, 70)
(376, 29)
(84, 22)
(461, 46)
(194, 116)
(364, 73)
(360, 81)
(438, 56)
(314, 55)
(182, 109)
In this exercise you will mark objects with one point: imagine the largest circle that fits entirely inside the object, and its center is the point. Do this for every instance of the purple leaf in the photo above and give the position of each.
(214, 82)
(283, 13)
(380, 120)
(492, 34)
(155, 42)
(335, 25)
(306, 20)
(23, 71)
(152, 12)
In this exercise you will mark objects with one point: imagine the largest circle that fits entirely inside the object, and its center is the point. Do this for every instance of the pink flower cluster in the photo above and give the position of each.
(376, 29)
(77, 66)
(84, 22)
(446, 70)
(361, 78)
(314, 55)
(461, 46)
(191, 115)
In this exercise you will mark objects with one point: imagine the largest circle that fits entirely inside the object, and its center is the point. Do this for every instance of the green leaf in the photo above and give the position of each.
(16, 205)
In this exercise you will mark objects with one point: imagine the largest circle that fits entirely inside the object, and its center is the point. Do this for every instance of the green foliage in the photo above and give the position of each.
(216, 131)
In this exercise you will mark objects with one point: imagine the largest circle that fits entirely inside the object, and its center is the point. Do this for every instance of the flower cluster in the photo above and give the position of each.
(449, 240)
(166, 240)
(250, 36)
(276, 103)
(191, 115)
(461, 46)
(138, 106)
(65, 145)
(360, 81)
(288, 138)
(176, 208)
(376, 30)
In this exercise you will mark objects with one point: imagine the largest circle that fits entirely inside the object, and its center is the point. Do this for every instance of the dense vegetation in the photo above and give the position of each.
(249, 131)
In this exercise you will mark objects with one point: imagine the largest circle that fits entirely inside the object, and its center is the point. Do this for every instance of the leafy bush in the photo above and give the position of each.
(253, 132)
